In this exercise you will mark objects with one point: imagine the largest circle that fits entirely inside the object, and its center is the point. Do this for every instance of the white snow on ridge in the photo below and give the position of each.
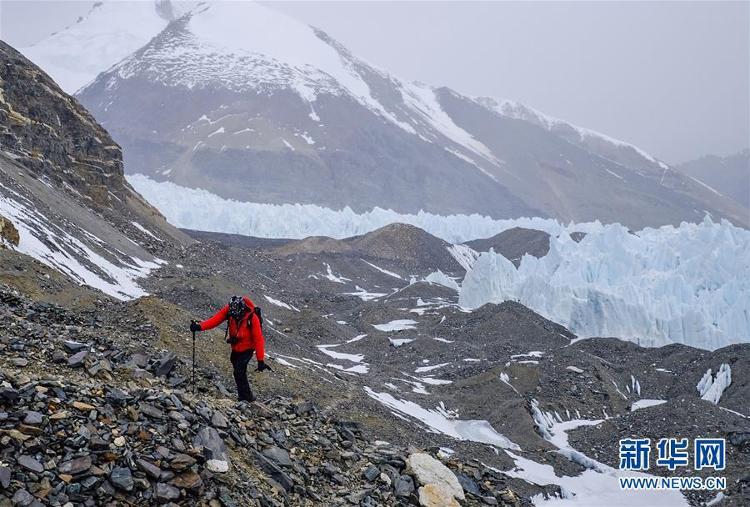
(109, 32)
(440, 420)
(512, 109)
(424, 102)
(712, 387)
(688, 284)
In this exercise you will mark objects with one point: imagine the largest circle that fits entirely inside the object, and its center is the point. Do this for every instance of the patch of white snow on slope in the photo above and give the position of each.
(442, 340)
(357, 368)
(281, 304)
(712, 387)
(397, 342)
(396, 325)
(425, 369)
(597, 485)
(440, 278)
(364, 294)
(464, 255)
(591, 488)
(645, 404)
(144, 230)
(439, 420)
(688, 284)
(119, 281)
(355, 358)
(384, 271)
(330, 275)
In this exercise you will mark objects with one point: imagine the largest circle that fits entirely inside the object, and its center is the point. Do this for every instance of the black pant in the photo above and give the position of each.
(239, 363)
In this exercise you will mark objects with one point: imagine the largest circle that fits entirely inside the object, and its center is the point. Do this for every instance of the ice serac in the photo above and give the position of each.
(686, 284)
(257, 107)
(711, 387)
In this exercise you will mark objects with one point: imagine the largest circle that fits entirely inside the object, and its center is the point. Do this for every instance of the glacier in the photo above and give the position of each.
(199, 209)
(688, 284)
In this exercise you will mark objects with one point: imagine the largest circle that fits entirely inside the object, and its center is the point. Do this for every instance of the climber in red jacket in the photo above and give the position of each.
(245, 334)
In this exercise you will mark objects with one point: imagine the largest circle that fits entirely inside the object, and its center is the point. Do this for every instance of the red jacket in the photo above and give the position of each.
(249, 337)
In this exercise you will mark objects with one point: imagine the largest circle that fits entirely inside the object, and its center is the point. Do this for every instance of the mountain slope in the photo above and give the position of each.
(106, 34)
(729, 175)
(220, 100)
(62, 186)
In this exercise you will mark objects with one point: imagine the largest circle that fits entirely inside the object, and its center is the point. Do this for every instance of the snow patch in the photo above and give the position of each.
(365, 295)
(440, 278)
(61, 250)
(330, 275)
(354, 358)
(281, 304)
(645, 403)
(397, 342)
(464, 255)
(384, 271)
(440, 420)
(425, 369)
(396, 325)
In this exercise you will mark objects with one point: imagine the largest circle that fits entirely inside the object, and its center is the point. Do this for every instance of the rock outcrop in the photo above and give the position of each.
(8, 233)
(53, 135)
(440, 486)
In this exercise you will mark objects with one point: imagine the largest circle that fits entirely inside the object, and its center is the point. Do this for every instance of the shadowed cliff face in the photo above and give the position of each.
(53, 135)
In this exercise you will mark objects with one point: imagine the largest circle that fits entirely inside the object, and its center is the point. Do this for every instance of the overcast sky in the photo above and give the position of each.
(670, 77)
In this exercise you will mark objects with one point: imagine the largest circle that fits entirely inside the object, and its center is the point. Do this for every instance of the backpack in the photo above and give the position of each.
(235, 301)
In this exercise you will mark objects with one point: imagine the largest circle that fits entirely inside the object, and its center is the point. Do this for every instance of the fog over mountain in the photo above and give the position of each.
(675, 97)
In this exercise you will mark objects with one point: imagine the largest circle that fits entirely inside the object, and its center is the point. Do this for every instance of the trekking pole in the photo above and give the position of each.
(193, 362)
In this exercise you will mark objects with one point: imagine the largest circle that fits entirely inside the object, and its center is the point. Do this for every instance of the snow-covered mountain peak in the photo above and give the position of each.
(109, 32)
(244, 45)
